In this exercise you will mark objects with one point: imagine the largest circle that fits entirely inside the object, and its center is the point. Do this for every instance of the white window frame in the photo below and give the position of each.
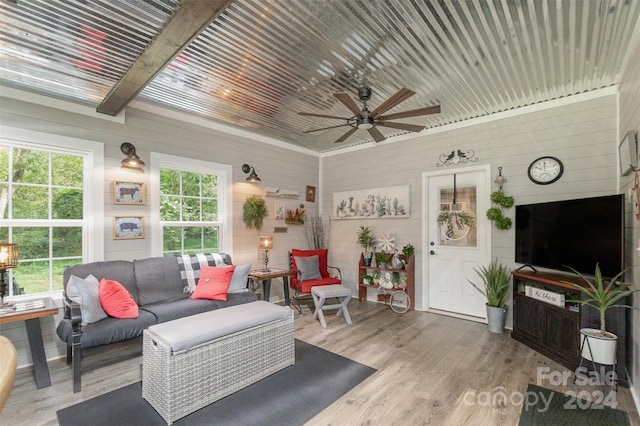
(225, 197)
(93, 184)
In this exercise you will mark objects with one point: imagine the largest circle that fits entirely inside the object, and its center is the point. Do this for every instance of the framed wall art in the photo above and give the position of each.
(128, 227)
(628, 153)
(128, 193)
(280, 211)
(378, 203)
(311, 194)
(281, 193)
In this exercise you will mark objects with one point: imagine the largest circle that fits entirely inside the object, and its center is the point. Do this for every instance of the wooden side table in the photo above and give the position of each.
(265, 277)
(31, 318)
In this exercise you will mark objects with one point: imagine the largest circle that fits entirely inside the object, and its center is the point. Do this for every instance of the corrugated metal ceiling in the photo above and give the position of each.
(261, 62)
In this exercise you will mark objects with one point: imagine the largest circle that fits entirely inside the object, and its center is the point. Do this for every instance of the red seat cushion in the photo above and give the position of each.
(305, 286)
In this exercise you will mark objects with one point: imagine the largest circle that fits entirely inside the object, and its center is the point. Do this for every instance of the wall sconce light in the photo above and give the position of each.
(132, 161)
(8, 260)
(253, 177)
(266, 244)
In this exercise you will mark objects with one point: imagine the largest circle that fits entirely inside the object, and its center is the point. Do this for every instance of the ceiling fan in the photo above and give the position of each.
(369, 120)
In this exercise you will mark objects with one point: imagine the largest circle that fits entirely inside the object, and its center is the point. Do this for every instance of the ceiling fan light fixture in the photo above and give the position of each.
(366, 123)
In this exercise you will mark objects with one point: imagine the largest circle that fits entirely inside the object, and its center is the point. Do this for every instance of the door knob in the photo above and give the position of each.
(432, 252)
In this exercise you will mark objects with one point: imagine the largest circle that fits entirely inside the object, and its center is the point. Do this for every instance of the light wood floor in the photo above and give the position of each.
(432, 369)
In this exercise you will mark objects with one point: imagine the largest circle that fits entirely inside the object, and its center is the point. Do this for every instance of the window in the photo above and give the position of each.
(46, 207)
(191, 206)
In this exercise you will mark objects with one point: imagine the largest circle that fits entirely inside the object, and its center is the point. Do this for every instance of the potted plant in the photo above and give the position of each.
(496, 289)
(366, 240)
(253, 211)
(367, 280)
(408, 250)
(382, 258)
(600, 345)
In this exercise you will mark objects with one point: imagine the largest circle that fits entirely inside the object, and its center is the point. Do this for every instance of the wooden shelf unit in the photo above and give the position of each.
(409, 271)
(554, 331)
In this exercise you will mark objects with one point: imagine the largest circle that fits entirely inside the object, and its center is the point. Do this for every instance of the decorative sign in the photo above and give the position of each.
(544, 295)
(128, 193)
(456, 157)
(377, 203)
(128, 227)
(281, 193)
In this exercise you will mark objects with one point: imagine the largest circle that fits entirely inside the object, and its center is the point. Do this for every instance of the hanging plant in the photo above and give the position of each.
(253, 212)
(500, 201)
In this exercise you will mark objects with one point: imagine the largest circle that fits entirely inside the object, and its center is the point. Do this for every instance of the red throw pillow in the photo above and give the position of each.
(213, 282)
(116, 300)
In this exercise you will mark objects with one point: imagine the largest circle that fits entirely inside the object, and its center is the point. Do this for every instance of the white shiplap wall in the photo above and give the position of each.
(579, 131)
(277, 166)
(629, 107)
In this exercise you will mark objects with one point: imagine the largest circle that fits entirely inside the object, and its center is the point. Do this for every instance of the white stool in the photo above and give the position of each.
(323, 292)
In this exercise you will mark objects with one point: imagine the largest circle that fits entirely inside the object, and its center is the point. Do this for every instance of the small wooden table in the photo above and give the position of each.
(31, 318)
(265, 277)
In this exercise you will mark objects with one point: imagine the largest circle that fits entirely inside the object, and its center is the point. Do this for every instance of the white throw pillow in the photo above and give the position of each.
(309, 267)
(85, 293)
(239, 279)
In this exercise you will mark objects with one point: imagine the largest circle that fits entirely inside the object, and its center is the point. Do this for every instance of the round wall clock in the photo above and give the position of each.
(545, 170)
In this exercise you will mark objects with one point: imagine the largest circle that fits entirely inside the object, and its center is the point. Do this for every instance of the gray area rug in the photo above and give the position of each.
(291, 396)
(555, 408)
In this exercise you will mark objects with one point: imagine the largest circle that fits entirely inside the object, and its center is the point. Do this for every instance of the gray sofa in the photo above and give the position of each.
(157, 286)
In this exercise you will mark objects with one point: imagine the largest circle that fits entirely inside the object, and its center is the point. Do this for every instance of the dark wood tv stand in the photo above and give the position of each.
(554, 331)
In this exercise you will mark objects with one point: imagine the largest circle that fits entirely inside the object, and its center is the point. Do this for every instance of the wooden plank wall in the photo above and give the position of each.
(629, 105)
(579, 131)
(276, 165)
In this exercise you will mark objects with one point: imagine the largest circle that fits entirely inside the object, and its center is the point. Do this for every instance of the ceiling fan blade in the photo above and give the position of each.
(311, 114)
(376, 135)
(413, 113)
(326, 128)
(345, 136)
(349, 103)
(401, 126)
(400, 96)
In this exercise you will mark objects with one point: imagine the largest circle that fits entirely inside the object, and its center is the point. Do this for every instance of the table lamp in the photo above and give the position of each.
(8, 260)
(266, 244)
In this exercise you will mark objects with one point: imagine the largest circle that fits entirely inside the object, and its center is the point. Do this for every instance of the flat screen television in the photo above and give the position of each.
(577, 233)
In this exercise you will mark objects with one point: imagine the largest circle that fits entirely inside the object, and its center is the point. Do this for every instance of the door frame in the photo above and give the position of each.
(424, 282)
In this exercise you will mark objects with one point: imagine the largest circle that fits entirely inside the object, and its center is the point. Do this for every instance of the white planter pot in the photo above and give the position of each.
(598, 348)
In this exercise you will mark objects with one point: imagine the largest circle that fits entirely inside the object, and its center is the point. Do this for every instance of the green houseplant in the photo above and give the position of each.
(408, 250)
(254, 211)
(382, 258)
(496, 214)
(495, 278)
(366, 240)
(601, 345)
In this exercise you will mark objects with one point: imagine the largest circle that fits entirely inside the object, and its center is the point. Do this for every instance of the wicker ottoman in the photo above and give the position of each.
(191, 362)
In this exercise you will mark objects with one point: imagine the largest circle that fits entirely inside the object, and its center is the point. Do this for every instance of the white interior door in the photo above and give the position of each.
(455, 246)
